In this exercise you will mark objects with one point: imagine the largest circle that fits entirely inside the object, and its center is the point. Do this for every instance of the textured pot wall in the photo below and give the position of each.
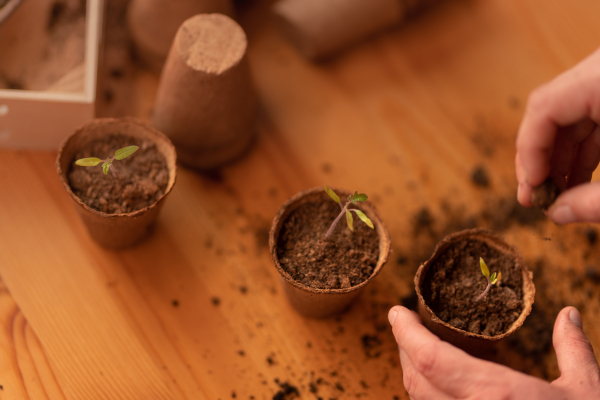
(206, 103)
(154, 23)
(115, 230)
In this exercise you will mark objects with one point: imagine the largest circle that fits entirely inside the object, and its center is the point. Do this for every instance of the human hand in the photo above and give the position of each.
(559, 137)
(436, 370)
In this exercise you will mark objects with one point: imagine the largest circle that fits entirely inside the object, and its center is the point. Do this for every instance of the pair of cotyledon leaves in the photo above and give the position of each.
(486, 272)
(354, 199)
(119, 155)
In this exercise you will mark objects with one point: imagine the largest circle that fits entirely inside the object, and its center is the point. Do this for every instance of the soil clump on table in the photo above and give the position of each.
(142, 177)
(454, 281)
(344, 260)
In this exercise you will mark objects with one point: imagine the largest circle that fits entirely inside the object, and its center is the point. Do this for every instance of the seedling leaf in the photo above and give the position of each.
(332, 194)
(364, 218)
(125, 152)
(360, 197)
(88, 162)
(349, 220)
(496, 278)
(484, 268)
(105, 168)
(493, 277)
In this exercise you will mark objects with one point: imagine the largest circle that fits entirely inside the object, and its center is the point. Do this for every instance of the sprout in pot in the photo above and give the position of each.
(492, 280)
(450, 290)
(108, 163)
(117, 212)
(324, 265)
(352, 199)
(140, 178)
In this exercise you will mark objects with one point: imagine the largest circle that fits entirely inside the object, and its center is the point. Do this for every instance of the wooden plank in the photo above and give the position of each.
(197, 312)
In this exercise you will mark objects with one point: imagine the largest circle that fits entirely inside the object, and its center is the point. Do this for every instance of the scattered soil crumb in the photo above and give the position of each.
(242, 353)
(175, 303)
(544, 195)
(371, 345)
(216, 301)
(480, 177)
(286, 392)
(243, 289)
(592, 236)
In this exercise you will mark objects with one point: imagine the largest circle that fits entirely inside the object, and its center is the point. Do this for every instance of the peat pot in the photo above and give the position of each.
(316, 302)
(117, 230)
(501, 256)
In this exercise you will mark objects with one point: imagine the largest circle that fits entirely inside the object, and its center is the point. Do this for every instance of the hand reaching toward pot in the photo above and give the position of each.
(436, 370)
(559, 137)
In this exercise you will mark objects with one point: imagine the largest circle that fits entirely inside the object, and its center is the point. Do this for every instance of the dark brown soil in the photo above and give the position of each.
(454, 281)
(345, 260)
(544, 195)
(142, 177)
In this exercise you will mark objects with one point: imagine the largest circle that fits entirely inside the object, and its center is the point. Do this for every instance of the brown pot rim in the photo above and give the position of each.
(367, 207)
(8, 9)
(498, 243)
(151, 133)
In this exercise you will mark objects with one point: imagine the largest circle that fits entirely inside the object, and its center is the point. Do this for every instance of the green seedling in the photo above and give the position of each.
(108, 163)
(492, 280)
(352, 199)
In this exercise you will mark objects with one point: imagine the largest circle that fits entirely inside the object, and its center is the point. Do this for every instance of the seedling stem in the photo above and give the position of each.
(492, 280)
(352, 199)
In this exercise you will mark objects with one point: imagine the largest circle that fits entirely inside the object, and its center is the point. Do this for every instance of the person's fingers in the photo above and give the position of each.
(451, 370)
(416, 385)
(568, 99)
(578, 204)
(576, 361)
(524, 190)
(586, 159)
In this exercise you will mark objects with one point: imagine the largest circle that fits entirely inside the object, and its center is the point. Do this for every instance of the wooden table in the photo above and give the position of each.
(197, 312)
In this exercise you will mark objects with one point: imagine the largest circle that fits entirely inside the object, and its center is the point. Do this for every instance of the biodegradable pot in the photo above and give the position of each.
(321, 303)
(320, 28)
(471, 342)
(205, 101)
(154, 23)
(116, 230)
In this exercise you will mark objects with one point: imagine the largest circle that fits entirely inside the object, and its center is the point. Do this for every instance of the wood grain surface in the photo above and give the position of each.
(196, 311)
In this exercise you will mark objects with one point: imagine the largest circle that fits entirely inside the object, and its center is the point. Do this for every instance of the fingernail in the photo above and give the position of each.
(563, 214)
(392, 316)
(519, 191)
(575, 318)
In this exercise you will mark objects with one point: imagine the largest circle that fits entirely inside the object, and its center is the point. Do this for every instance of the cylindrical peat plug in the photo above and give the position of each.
(206, 103)
(154, 23)
(320, 28)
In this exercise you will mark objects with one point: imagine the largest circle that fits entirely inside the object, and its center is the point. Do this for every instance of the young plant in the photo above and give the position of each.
(492, 280)
(352, 199)
(108, 163)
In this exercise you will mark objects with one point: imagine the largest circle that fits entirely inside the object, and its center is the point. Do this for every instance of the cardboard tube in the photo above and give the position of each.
(205, 102)
(321, 28)
(154, 23)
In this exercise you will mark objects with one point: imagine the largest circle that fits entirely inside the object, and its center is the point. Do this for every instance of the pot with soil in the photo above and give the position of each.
(321, 276)
(449, 284)
(118, 209)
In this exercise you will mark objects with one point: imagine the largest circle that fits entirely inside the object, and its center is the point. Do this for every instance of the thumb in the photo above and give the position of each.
(576, 360)
(578, 204)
